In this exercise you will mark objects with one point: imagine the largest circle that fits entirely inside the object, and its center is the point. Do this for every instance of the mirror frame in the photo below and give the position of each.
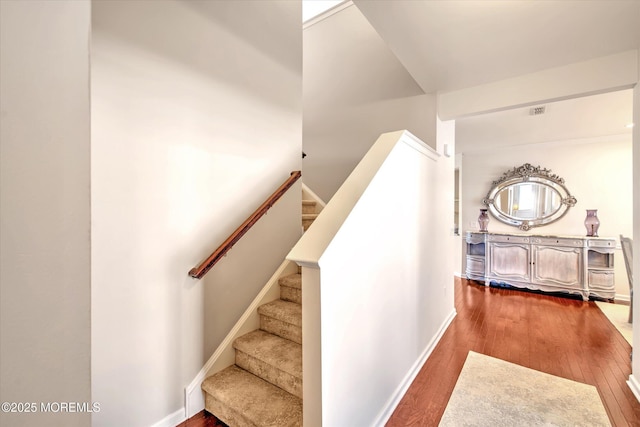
(532, 174)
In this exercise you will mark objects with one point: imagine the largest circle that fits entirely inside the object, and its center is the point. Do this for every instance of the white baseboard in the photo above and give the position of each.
(397, 396)
(172, 420)
(224, 355)
(625, 298)
(634, 385)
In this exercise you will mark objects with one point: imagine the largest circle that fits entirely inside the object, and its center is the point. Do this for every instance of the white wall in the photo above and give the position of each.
(383, 246)
(196, 119)
(598, 172)
(635, 363)
(44, 202)
(341, 135)
(459, 251)
(354, 90)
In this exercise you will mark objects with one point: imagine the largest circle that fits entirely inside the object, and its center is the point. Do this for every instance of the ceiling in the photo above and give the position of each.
(346, 61)
(578, 119)
(374, 49)
(448, 45)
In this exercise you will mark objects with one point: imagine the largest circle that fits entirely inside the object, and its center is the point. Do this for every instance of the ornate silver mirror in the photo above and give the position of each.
(528, 196)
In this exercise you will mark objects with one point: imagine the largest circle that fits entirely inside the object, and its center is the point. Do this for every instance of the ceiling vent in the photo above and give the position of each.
(536, 111)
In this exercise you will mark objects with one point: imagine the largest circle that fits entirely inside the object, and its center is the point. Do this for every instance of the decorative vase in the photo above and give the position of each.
(483, 220)
(592, 223)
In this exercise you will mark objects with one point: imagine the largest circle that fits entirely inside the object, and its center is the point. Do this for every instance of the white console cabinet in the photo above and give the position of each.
(570, 264)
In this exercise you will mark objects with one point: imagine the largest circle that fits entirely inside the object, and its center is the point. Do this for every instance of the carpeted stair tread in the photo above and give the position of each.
(309, 216)
(285, 311)
(279, 352)
(239, 398)
(291, 281)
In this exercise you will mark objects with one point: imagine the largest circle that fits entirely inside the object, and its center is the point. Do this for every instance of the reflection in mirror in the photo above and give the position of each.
(528, 196)
(528, 200)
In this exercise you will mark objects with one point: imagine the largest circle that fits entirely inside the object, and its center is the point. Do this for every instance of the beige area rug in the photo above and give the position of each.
(492, 392)
(618, 314)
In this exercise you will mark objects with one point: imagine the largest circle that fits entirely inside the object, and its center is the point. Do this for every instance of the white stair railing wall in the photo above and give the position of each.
(377, 269)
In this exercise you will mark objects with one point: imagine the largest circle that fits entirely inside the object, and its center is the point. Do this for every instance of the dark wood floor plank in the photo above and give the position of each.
(202, 419)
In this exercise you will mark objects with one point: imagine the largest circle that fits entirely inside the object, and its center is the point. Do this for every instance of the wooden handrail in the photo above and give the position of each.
(202, 269)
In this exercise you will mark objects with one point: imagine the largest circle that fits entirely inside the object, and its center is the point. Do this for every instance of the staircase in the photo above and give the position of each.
(264, 387)
(309, 213)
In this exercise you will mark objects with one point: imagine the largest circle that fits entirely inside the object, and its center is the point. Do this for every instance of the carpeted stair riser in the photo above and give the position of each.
(281, 329)
(240, 399)
(291, 288)
(308, 206)
(274, 359)
(291, 294)
(225, 413)
(269, 373)
(282, 318)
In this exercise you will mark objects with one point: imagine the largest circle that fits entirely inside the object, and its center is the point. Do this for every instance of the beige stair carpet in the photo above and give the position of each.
(291, 288)
(241, 399)
(272, 358)
(282, 318)
(264, 387)
(491, 392)
(309, 206)
(307, 220)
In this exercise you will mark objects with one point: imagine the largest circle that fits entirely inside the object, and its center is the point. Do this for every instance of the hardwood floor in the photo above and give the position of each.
(202, 419)
(560, 336)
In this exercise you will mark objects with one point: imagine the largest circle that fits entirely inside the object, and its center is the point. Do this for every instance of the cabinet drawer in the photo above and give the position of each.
(601, 243)
(500, 238)
(475, 238)
(602, 284)
(556, 241)
(601, 280)
(475, 266)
